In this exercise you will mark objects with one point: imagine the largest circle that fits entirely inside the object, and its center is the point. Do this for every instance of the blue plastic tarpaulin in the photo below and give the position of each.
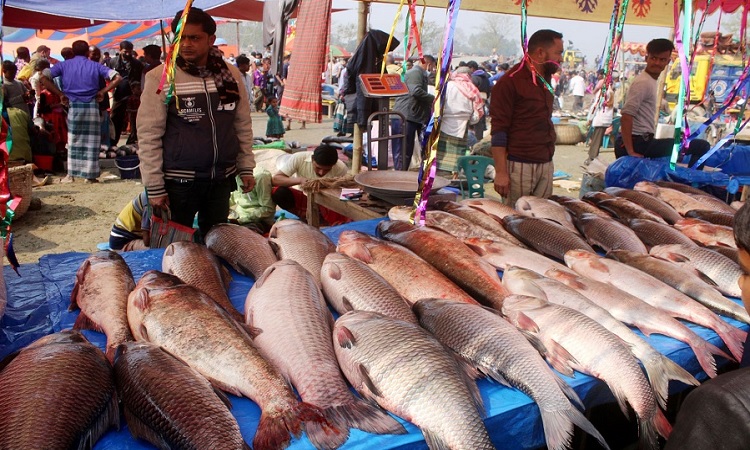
(38, 305)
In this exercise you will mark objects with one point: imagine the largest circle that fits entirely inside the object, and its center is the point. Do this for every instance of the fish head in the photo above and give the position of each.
(400, 212)
(647, 187)
(580, 256)
(357, 245)
(426, 309)
(138, 305)
(155, 279)
(282, 225)
(334, 265)
(522, 281)
(524, 203)
(393, 227)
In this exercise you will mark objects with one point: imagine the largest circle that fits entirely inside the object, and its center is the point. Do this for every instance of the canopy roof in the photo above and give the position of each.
(103, 36)
(642, 12)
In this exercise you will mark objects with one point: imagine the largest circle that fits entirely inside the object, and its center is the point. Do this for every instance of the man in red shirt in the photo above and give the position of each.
(523, 136)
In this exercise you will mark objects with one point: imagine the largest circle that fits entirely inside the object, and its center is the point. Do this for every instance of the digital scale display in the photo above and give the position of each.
(388, 85)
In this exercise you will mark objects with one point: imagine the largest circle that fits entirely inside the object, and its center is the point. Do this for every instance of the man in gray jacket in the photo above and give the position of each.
(416, 108)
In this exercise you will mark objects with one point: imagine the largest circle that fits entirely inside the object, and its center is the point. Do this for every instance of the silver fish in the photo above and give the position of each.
(653, 233)
(408, 372)
(479, 217)
(545, 209)
(349, 284)
(707, 233)
(547, 237)
(502, 256)
(498, 349)
(724, 272)
(246, 251)
(609, 234)
(302, 243)
(648, 201)
(576, 342)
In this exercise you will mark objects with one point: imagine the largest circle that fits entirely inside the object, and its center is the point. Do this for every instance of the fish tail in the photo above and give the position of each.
(660, 370)
(648, 430)
(276, 426)
(733, 337)
(329, 434)
(704, 352)
(558, 427)
(365, 416)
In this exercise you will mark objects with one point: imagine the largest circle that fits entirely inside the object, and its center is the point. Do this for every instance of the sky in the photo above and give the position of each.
(589, 38)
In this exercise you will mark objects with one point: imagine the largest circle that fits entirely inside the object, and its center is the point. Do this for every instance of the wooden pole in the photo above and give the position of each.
(364, 10)
(238, 38)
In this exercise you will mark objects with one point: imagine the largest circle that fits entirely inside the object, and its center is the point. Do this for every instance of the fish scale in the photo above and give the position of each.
(175, 403)
(408, 372)
(545, 236)
(648, 201)
(58, 392)
(302, 243)
(609, 234)
(720, 269)
(499, 350)
(653, 233)
(245, 250)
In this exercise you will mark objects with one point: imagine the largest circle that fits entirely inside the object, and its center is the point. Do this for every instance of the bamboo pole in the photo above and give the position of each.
(364, 10)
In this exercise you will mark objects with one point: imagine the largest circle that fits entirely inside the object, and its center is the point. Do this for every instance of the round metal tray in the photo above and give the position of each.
(396, 187)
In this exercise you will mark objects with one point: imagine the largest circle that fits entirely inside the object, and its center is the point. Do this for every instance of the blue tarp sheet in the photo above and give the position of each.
(38, 305)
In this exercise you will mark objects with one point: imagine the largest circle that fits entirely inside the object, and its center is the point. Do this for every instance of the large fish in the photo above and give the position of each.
(653, 233)
(443, 221)
(577, 207)
(101, 290)
(620, 207)
(707, 233)
(197, 266)
(714, 203)
(502, 256)
(680, 201)
(609, 234)
(656, 293)
(170, 404)
(408, 372)
(729, 252)
(246, 251)
(687, 189)
(684, 281)
(300, 242)
(648, 201)
(479, 217)
(715, 217)
(349, 284)
(576, 342)
(295, 327)
(545, 209)
(724, 272)
(500, 351)
(57, 393)
(635, 312)
(489, 206)
(451, 257)
(190, 325)
(659, 368)
(547, 237)
(154, 279)
(413, 277)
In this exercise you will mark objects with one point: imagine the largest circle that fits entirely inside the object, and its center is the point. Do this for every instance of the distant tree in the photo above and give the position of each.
(345, 35)
(497, 32)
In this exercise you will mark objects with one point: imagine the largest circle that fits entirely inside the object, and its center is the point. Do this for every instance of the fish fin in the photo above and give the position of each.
(243, 270)
(275, 428)
(534, 341)
(253, 332)
(226, 276)
(569, 279)
(706, 279)
(224, 387)
(569, 392)
(110, 417)
(140, 430)
(559, 358)
(469, 373)
(434, 441)
(620, 396)
(80, 276)
(333, 271)
(276, 248)
(660, 370)
(360, 252)
(365, 376)
(526, 323)
(143, 332)
(558, 427)
(473, 244)
(733, 337)
(345, 338)
(141, 298)
(347, 304)
(359, 414)
(246, 446)
(495, 375)
(223, 397)
(648, 429)
(84, 323)
(262, 279)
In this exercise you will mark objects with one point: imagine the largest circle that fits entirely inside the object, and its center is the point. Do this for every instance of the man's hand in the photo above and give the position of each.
(99, 97)
(502, 183)
(65, 100)
(159, 204)
(248, 183)
(634, 153)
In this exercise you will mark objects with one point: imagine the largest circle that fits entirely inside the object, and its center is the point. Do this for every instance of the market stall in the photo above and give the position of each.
(38, 305)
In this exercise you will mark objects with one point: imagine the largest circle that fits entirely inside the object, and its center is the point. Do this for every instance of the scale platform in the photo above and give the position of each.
(387, 85)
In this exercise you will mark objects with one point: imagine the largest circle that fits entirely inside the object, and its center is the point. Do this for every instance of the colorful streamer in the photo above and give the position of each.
(682, 9)
(390, 40)
(168, 75)
(429, 165)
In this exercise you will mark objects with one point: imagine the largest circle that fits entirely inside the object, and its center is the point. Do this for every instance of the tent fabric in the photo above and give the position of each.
(106, 35)
(302, 93)
(38, 305)
(276, 15)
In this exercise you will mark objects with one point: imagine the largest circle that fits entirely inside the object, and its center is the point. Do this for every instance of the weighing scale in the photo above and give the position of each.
(382, 88)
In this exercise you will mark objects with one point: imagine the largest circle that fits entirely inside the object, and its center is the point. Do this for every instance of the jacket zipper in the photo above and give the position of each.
(213, 129)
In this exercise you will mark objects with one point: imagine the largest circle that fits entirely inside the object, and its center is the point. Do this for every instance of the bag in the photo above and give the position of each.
(164, 231)
(339, 116)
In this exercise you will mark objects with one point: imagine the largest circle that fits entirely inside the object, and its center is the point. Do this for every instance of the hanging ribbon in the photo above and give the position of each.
(524, 23)
(429, 165)
(682, 9)
(617, 23)
(390, 40)
(170, 63)
(416, 30)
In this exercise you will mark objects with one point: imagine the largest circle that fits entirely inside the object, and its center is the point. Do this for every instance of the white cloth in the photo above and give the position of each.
(641, 104)
(603, 115)
(578, 86)
(300, 164)
(458, 112)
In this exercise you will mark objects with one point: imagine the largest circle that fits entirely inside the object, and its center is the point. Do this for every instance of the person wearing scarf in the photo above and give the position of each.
(464, 106)
(194, 143)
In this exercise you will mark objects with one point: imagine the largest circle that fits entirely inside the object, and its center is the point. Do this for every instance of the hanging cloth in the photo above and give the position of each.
(276, 15)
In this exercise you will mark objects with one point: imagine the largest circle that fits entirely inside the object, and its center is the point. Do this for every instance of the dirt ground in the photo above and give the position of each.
(77, 217)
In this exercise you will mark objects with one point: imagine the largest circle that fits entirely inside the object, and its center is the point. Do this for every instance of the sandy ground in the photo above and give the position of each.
(78, 216)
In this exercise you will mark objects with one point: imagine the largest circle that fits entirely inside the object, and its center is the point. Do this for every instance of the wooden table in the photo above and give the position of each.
(364, 209)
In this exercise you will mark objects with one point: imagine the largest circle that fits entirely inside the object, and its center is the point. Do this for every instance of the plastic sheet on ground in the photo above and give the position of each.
(38, 305)
(625, 172)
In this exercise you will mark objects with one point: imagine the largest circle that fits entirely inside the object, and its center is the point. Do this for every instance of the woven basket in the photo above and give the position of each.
(568, 134)
(20, 180)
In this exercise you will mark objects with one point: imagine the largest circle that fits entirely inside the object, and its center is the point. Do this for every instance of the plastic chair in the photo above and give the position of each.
(474, 168)
(613, 134)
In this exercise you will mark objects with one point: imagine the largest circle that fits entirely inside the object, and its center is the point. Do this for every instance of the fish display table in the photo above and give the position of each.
(38, 305)
(363, 209)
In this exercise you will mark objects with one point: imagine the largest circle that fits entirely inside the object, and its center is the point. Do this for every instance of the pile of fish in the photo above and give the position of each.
(422, 315)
